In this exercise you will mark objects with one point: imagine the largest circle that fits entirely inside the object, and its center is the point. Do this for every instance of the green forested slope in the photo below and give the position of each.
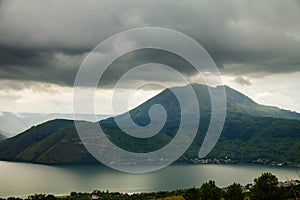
(251, 132)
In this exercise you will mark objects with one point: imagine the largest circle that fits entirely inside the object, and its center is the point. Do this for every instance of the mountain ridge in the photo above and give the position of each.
(14, 123)
(2, 136)
(255, 109)
(245, 137)
(236, 101)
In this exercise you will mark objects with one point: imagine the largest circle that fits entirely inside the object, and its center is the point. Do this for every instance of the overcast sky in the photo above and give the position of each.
(255, 44)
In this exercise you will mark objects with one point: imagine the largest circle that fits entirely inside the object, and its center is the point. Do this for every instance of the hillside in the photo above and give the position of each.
(2, 136)
(55, 141)
(244, 139)
(236, 103)
(242, 103)
(250, 133)
(14, 123)
(256, 139)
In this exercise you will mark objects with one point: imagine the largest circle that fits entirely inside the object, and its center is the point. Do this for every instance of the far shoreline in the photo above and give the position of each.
(95, 163)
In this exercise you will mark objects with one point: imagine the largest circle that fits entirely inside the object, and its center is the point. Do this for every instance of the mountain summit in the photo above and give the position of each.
(236, 103)
(251, 132)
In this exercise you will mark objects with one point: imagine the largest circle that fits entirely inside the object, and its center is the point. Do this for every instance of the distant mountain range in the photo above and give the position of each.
(252, 133)
(14, 123)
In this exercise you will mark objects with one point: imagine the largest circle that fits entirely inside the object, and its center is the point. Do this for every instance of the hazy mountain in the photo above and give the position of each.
(14, 123)
(247, 135)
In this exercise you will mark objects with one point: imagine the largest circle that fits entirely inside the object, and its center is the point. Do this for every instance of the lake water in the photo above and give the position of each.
(21, 179)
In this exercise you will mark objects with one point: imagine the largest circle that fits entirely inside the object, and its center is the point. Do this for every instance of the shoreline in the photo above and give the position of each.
(98, 163)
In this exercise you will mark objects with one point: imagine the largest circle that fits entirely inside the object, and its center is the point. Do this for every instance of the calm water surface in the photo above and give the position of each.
(20, 179)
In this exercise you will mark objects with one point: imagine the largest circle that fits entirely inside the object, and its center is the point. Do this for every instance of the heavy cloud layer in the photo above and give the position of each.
(46, 41)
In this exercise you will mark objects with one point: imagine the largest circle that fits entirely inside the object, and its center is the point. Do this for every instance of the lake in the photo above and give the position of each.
(22, 179)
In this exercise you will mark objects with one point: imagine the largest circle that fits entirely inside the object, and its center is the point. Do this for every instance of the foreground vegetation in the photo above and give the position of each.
(265, 187)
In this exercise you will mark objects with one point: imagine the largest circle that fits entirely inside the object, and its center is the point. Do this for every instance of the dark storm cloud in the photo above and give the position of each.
(39, 65)
(46, 41)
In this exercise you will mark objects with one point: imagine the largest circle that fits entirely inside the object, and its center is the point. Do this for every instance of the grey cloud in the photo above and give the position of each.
(37, 65)
(11, 86)
(242, 81)
(136, 58)
(46, 41)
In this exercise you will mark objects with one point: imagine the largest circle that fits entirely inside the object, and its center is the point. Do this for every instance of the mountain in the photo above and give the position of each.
(250, 139)
(14, 123)
(55, 141)
(242, 103)
(236, 103)
(2, 136)
(251, 132)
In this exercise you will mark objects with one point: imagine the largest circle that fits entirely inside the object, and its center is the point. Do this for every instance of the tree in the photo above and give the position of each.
(209, 191)
(192, 194)
(234, 192)
(36, 197)
(266, 188)
(41, 197)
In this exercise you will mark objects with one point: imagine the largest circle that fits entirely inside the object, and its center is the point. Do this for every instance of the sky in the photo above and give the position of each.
(254, 43)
